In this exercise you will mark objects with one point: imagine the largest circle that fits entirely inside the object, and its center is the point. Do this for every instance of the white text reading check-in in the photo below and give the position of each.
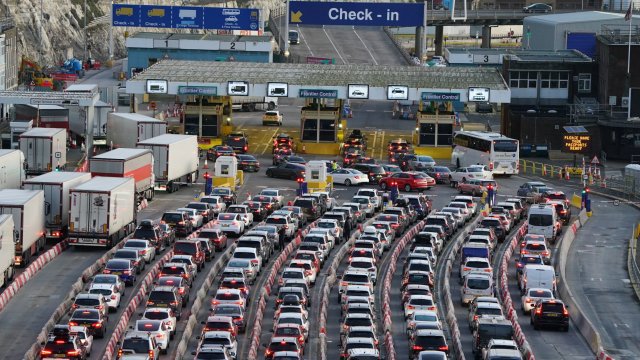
(340, 14)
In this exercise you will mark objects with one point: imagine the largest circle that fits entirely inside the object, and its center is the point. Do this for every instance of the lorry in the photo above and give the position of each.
(100, 114)
(102, 211)
(127, 129)
(123, 162)
(175, 160)
(44, 150)
(12, 172)
(253, 103)
(7, 250)
(18, 128)
(47, 116)
(56, 186)
(27, 208)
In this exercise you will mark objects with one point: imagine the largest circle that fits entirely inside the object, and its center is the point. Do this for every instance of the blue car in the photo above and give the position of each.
(124, 268)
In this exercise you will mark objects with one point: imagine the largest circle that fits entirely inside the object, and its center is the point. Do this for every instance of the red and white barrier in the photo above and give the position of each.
(19, 282)
(121, 328)
(386, 309)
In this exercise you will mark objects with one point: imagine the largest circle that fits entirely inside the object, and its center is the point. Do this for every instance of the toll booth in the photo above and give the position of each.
(320, 122)
(206, 117)
(435, 124)
(316, 176)
(226, 173)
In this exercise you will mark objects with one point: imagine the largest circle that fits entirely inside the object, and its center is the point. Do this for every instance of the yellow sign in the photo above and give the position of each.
(296, 17)
(576, 143)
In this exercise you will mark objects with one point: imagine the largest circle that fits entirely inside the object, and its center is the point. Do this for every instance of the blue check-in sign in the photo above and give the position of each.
(155, 16)
(125, 15)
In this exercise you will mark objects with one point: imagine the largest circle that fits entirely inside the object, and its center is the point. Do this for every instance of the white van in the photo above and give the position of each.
(476, 285)
(542, 220)
(538, 276)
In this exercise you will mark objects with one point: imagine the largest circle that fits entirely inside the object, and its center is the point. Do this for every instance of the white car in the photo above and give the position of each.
(194, 215)
(158, 329)
(216, 202)
(230, 223)
(299, 319)
(369, 206)
(475, 264)
(188, 261)
(145, 247)
(167, 315)
(364, 264)
(110, 292)
(418, 302)
(308, 267)
(229, 296)
(348, 177)
(219, 338)
(429, 316)
(275, 193)
(250, 254)
(375, 195)
(292, 273)
(244, 211)
(464, 174)
(86, 339)
(471, 204)
(332, 225)
(531, 296)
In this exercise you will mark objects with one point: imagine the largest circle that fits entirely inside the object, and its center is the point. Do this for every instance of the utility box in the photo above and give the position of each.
(128, 129)
(316, 171)
(226, 166)
(12, 172)
(56, 186)
(44, 149)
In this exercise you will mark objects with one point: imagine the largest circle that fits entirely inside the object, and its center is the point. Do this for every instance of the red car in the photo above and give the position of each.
(190, 247)
(350, 159)
(408, 181)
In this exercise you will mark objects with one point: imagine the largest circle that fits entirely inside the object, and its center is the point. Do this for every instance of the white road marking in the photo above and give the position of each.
(366, 47)
(334, 45)
(303, 40)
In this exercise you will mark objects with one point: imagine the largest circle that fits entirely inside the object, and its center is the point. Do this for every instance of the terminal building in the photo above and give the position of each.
(145, 48)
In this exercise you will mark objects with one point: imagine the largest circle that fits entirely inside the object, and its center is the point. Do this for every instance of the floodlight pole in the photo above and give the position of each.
(286, 30)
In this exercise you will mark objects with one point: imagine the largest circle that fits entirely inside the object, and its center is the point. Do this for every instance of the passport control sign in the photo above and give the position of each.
(356, 14)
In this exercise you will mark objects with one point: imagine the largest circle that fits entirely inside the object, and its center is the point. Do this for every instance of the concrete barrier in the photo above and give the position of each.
(586, 327)
(76, 288)
(386, 310)
(121, 328)
(21, 280)
(182, 348)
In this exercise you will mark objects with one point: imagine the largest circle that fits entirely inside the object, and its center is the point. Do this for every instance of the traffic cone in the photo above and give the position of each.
(304, 148)
(566, 173)
(206, 165)
(544, 170)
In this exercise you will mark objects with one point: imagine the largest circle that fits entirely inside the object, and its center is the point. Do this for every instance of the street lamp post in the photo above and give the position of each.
(84, 55)
(286, 30)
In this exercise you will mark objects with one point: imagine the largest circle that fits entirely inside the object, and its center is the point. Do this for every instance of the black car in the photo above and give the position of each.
(148, 230)
(204, 209)
(286, 171)
(166, 297)
(248, 163)
(179, 221)
(93, 319)
(227, 194)
(133, 255)
(258, 209)
(220, 150)
(295, 159)
(280, 154)
(239, 141)
(550, 312)
(184, 287)
(66, 347)
(427, 340)
(441, 174)
(373, 171)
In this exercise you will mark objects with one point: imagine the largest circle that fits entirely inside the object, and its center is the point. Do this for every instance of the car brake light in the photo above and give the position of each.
(180, 222)
(151, 353)
(254, 261)
(417, 348)
(410, 307)
(539, 311)
(491, 165)
(443, 348)
(45, 352)
(73, 323)
(97, 325)
(565, 312)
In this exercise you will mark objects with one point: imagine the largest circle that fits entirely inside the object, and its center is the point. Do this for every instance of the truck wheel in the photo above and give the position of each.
(170, 187)
(271, 105)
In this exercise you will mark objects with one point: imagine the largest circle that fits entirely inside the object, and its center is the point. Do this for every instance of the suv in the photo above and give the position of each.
(148, 230)
(139, 342)
(239, 141)
(309, 207)
(424, 339)
(166, 297)
(374, 172)
(67, 347)
(550, 312)
(205, 209)
(178, 220)
(216, 237)
(90, 318)
(90, 301)
(193, 248)
(497, 328)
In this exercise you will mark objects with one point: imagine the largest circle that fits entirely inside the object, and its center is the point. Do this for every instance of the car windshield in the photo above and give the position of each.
(540, 220)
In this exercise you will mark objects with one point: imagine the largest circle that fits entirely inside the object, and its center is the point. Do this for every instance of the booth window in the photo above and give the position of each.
(310, 130)
(315, 174)
(445, 135)
(224, 169)
(327, 130)
(428, 134)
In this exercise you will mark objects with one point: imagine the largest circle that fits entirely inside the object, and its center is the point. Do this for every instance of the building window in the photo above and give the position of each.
(554, 80)
(584, 82)
(523, 79)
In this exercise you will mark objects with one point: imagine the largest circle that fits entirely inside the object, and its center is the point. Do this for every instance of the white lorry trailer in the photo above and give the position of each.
(125, 130)
(175, 160)
(45, 149)
(135, 163)
(7, 250)
(27, 209)
(101, 113)
(254, 103)
(102, 211)
(12, 172)
(56, 186)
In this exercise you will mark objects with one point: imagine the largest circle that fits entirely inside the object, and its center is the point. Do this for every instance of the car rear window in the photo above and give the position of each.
(430, 341)
(421, 301)
(105, 292)
(540, 220)
(535, 247)
(226, 217)
(118, 264)
(552, 307)
(162, 296)
(355, 278)
(490, 222)
(277, 220)
(477, 264)
(283, 346)
(173, 270)
(87, 301)
(59, 346)
(478, 284)
(227, 296)
(358, 321)
(216, 341)
(185, 247)
(139, 346)
(244, 255)
(156, 315)
(496, 331)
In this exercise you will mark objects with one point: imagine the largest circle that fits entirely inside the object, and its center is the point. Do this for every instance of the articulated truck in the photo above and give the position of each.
(56, 186)
(103, 211)
(27, 209)
(12, 172)
(125, 130)
(175, 160)
(7, 250)
(44, 149)
(135, 163)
